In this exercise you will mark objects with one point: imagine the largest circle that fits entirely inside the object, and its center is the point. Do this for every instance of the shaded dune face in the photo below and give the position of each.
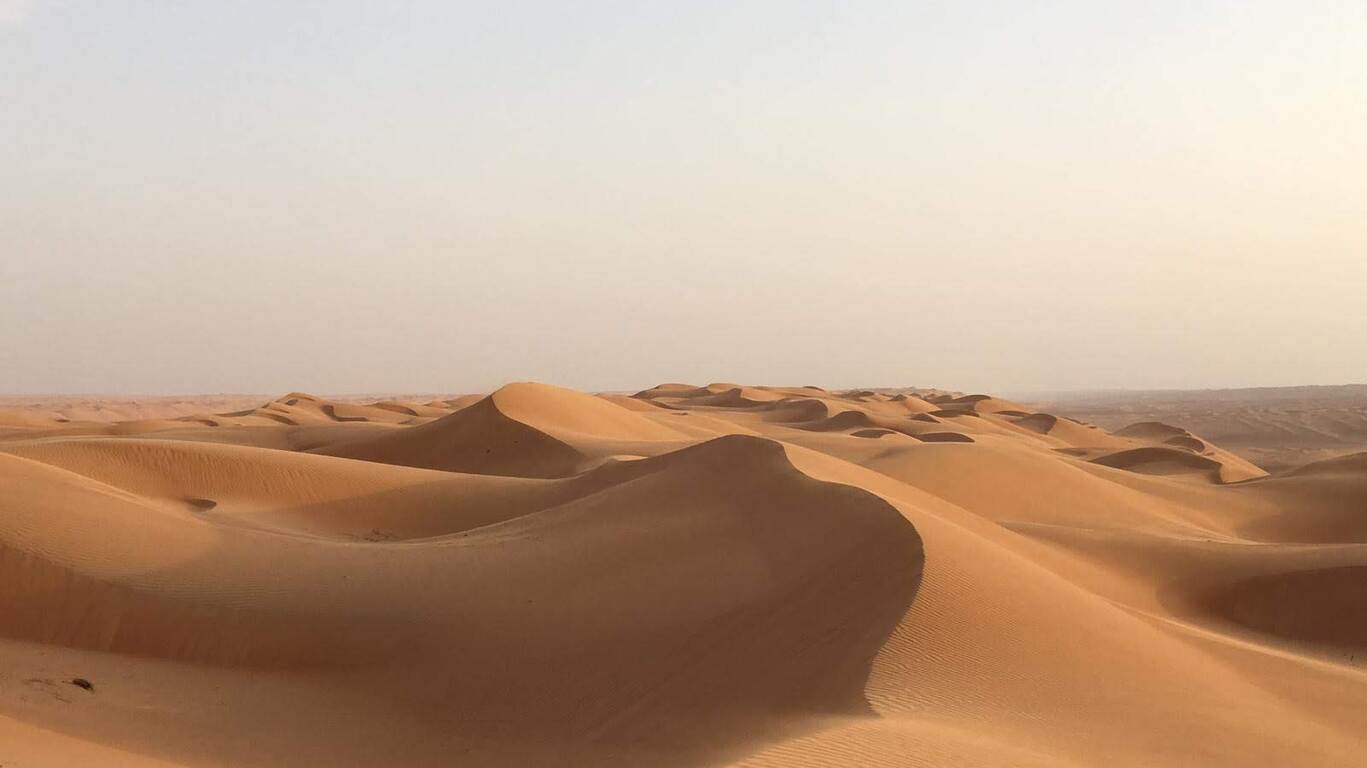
(1042, 423)
(523, 430)
(1326, 606)
(677, 607)
(1321, 503)
(1158, 461)
(479, 439)
(687, 576)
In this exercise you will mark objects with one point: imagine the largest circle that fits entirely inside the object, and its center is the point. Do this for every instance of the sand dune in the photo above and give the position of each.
(1276, 428)
(688, 576)
(522, 430)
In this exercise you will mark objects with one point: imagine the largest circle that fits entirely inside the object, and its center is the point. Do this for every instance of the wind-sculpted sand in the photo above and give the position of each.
(690, 576)
(1277, 428)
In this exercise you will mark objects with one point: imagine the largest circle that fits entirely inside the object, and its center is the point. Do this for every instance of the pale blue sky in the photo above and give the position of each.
(440, 196)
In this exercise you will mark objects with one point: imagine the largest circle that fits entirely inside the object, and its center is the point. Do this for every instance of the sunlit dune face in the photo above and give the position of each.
(691, 575)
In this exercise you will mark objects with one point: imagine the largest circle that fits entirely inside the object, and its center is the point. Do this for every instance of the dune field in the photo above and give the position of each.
(1277, 428)
(689, 576)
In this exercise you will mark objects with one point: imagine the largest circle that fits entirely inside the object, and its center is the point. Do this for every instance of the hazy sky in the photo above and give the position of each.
(353, 196)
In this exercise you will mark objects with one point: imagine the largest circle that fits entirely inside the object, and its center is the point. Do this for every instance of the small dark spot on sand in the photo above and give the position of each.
(202, 504)
(81, 682)
(379, 535)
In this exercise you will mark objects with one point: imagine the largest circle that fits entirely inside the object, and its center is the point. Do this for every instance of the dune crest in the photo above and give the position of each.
(687, 576)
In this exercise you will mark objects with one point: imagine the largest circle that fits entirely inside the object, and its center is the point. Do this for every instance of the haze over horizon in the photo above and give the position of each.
(744, 384)
(343, 197)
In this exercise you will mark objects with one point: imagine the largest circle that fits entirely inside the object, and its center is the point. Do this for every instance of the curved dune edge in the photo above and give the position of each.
(1177, 459)
(522, 430)
(1158, 460)
(1319, 607)
(688, 576)
(796, 641)
(1352, 465)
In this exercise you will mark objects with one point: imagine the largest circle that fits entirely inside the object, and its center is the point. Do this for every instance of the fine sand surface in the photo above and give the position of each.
(1277, 428)
(690, 576)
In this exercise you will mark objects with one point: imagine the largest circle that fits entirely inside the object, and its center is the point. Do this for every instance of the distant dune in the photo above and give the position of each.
(1277, 428)
(688, 576)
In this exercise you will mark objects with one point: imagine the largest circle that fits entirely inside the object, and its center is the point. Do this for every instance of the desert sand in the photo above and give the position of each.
(1277, 428)
(687, 576)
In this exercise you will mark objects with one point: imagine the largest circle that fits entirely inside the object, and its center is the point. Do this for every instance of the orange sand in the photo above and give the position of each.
(720, 575)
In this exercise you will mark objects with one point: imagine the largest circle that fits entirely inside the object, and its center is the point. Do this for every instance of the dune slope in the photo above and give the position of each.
(690, 576)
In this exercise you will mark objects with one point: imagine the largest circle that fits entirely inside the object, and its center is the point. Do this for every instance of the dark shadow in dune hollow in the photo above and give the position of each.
(682, 610)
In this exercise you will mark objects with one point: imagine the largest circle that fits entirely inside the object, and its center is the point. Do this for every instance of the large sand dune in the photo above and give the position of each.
(690, 576)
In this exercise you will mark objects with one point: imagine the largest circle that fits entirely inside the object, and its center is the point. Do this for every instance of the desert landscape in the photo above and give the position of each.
(535, 384)
(1277, 428)
(684, 576)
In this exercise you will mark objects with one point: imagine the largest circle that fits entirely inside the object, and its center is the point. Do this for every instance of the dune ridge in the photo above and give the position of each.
(687, 576)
